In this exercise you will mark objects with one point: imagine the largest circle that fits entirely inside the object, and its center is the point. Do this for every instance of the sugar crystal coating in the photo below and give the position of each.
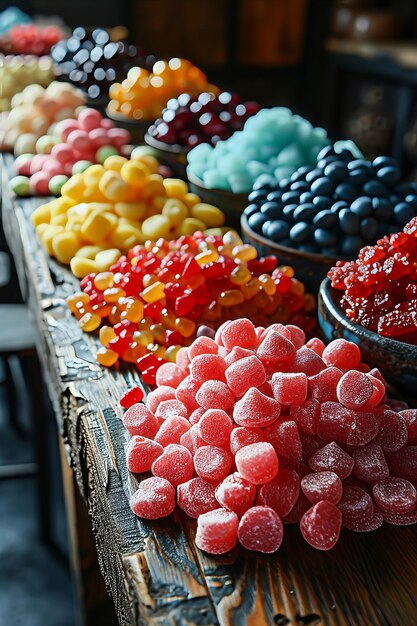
(171, 430)
(370, 463)
(217, 531)
(332, 457)
(256, 409)
(139, 420)
(245, 373)
(322, 486)
(281, 493)
(242, 436)
(141, 453)
(395, 495)
(212, 463)
(214, 394)
(343, 354)
(261, 529)
(196, 497)
(235, 494)
(320, 525)
(154, 498)
(290, 388)
(215, 427)
(257, 462)
(175, 464)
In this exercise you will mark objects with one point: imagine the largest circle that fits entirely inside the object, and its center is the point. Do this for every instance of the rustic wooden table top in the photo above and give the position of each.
(154, 571)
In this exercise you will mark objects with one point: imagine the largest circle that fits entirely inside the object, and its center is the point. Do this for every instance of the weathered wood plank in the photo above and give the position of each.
(154, 571)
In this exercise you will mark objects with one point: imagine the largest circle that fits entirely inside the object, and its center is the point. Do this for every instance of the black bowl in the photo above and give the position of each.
(174, 156)
(309, 267)
(395, 359)
(232, 204)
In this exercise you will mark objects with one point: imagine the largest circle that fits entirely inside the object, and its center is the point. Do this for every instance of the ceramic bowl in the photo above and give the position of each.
(232, 204)
(309, 267)
(395, 359)
(175, 157)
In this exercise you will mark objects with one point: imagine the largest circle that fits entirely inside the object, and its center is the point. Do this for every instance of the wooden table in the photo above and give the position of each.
(153, 571)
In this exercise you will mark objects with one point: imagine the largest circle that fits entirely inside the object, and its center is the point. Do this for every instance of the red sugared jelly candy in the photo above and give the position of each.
(257, 462)
(370, 464)
(289, 388)
(170, 408)
(217, 531)
(241, 437)
(159, 395)
(208, 367)
(332, 458)
(132, 396)
(175, 464)
(215, 427)
(281, 493)
(354, 389)
(236, 494)
(395, 495)
(320, 525)
(244, 374)
(261, 530)
(212, 464)
(154, 498)
(196, 497)
(139, 420)
(306, 416)
(393, 432)
(285, 439)
(343, 354)
(239, 333)
(141, 453)
(169, 374)
(214, 394)
(322, 486)
(256, 409)
(171, 430)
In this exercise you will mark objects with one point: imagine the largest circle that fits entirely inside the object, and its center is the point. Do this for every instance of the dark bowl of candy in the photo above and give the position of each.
(136, 128)
(174, 156)
(397, 360)
(232, 204)
(310, 267)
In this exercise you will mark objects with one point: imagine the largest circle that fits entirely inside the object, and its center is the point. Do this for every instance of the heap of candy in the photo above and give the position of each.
(278, 432)
(107, 209)
(380, 287)
(273, 142)
(153, 300)
(19, 71)
(189, 121)
(11, 17)
(69, 147)
(92, 61)
(34, 110)
(334, 207)
(143, 94)
(31, 39)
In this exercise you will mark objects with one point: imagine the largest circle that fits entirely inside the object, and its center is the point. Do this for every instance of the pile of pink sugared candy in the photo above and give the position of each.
(255, 429)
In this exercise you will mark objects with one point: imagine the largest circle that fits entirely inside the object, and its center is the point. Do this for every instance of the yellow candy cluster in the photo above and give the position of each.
(110, 208)
(143, 94)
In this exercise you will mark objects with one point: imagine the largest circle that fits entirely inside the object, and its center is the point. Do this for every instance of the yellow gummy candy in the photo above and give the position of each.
(175, 188)
(209, 214)
(113, 186)
(96, 227)
(89, 252)
(134, 173)
(65, 246)
(92, 175)
(115, 162)
(107, 258)
(59, 220)
(62, 205)
(41, 215)
(191, 199)
(74, 187)
(131, 210)
(125, 236)
(47, 236)
(153, 187)
(175, 210)
(156, 226)
(80, 266)
(190, 225)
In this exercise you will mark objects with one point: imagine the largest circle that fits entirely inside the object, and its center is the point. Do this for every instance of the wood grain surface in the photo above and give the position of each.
(153, 571)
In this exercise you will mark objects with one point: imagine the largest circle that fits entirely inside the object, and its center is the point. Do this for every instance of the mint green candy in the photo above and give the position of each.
(213, 179)
(45, 144)
(20, 185)
(105, 152)
(80, 166)
(143, 151)
(56, 183)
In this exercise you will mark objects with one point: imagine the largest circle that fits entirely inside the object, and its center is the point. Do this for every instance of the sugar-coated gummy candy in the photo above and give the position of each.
(342, 354)
(300, 507)
(400, 519)
(206, 367)
(324, 485)
(395, 495)
(236, 354)
(285, 438)
(281, 493)
(175, 464)
(169, 374)
(196, 497)
(368, 523)
(332, 458)
(410, 417)
(370, 464)
(215, 427)
(154, 498)
(289, 388)
(297, 335)
(131, 397)
(192, 440)
(354, 389)
(183, 358)
(393, 432)
(217, 531)
(236, 494)
(355, 504)
(320, 525)
(239, 333)
(275, 349)
(195, 416)
(306, 415)
(201, 345)
(323, 386)
(170, 408)
(159, 395)
(186, 393)
(307, 361)
(215, 394)
(212, 463)
(255, 409)
(257, 462)
(141, 452)
(403, 463)
(245, 373)
(316, 345)
(139, 420)
(242, 436)
(171, 430)
(261, 530)
(310, 445)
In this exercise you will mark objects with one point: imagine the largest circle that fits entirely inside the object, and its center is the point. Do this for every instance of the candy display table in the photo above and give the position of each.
(153, 571)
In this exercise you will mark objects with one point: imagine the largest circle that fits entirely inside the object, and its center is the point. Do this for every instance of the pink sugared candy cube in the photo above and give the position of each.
(281, 493)
(215, 427)
(175, 464)
(261, 530)
(244, 374)
(212, 464)
(290, 388)
(196, 497)
(257, 462)
(236, 494)
(141, 453)
(217, 531)
(154, 498)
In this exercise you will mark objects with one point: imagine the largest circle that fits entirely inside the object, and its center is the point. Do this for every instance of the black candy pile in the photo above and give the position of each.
(334, 208)
(92, 62)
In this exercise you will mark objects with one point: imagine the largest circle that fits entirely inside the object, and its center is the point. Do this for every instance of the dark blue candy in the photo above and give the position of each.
(257, 196)
(288, 212)
(338, 206)
(256, 221)
(359, 164)
(322, 203)
(306, 197)
(375, 188)
(411, 199)
(289, 197)
(325, 238)
(382, 209)
(362, 206)
(406, 188)
(299, 186)
(346, 192)
(273, 210)
(369, 229)
(313, 175)
(389, 175)
(251, 209)
(351, 246)
(325, 152)
(403, 213)
(349, 222)
(358, 177)
(323, 163)
(265, 181)
(394, 198)
(345, 155)
(384, 161)
(284, 184)
(325, 219)
(274, 196)
(300, 232)
(336, 170)
(309, 248)
(287, 243)
(276, 231)
(322, 186)
(305, 212)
